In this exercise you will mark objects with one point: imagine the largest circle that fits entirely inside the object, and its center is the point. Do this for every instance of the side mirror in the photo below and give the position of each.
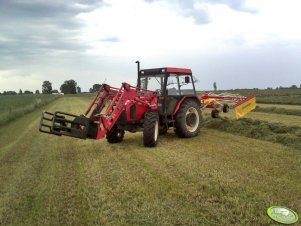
(187, 79)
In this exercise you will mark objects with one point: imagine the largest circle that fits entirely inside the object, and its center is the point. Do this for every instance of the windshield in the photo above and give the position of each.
(179, 85)
(153, 83)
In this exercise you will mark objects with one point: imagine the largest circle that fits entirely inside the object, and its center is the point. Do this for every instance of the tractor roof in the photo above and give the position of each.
(166, 69)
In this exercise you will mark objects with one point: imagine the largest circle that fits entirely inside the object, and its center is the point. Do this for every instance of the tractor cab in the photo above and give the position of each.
(171, 84)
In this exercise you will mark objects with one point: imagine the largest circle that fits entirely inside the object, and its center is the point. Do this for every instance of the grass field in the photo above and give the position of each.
(280, 96)
(269, 96)
(13, 106)
(285, 119)
(285, 106)
(290, 120)
(215, 178)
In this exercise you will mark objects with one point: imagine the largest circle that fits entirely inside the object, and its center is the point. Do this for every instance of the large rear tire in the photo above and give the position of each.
(115, 135)
(188, 119)
(151, 129)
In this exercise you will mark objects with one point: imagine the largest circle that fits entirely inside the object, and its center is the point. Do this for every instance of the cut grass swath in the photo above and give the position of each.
(276, 110)
(274, 132)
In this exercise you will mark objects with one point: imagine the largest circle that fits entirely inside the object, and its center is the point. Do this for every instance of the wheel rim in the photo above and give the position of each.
(192, 119)
(156, 130)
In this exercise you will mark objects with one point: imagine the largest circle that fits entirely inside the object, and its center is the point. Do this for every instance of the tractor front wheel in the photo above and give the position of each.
(115, 135)
(151, 129)
(188, 120)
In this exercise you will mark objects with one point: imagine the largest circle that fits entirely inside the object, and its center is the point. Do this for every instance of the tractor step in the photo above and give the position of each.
(61, 123)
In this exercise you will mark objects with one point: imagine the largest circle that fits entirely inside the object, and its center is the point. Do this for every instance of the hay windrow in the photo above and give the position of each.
(276, 110)
(257, 129)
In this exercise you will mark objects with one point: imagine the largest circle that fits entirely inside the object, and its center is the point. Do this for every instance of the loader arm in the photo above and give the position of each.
(99, 119)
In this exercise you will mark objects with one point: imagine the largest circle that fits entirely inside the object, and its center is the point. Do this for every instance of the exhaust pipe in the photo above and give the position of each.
(138, 70)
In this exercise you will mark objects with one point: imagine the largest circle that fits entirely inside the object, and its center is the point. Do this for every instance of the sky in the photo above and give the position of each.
(235, 43)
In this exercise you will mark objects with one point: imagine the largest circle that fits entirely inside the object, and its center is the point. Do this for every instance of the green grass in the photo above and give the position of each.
(279, 96)
(276, 110)
(273, 132)
(14, 106)
(285, 106)
(214, 179)
(288, 120)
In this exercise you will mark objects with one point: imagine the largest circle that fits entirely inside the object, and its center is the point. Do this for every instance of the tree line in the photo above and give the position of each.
(68, 87)
(280, 87)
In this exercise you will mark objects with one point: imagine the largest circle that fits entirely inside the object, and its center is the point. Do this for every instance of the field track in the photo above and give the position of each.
(213, 179)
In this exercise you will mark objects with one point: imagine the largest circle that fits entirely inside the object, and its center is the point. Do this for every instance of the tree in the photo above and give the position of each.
(293, 87)
(46, 87)
(37, 91)
(28, 92)
(20, 92)
(214, 86)
(95, 88)
(69, 87)
(9, 93)
(55, 91)
(78, 89)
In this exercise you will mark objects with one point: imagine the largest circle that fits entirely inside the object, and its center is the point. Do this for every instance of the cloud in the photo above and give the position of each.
(239, 5)
(110, 39)
(187, 8)
(38, 28)
(198, 10)
(89, 41)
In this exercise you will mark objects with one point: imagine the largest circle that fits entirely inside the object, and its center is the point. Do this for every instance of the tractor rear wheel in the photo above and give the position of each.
(151, 128)
(188, 120)
(115, 135)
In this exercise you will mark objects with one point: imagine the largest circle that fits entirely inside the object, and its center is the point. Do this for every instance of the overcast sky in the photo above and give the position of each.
(235, 43)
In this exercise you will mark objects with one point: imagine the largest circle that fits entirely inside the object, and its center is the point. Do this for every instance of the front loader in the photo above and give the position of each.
(163, 98)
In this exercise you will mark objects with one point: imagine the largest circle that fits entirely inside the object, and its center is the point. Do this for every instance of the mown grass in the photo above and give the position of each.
(214, 179)
(274, 132)
(269, 96)
(15, 106)
(279, 96)
(285, 106)
(277, 110)
(288, 120)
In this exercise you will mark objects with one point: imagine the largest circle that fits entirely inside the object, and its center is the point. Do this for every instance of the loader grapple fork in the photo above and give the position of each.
(61, 123)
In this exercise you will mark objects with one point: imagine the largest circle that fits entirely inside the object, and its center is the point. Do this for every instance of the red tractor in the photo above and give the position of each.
(163, 98)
